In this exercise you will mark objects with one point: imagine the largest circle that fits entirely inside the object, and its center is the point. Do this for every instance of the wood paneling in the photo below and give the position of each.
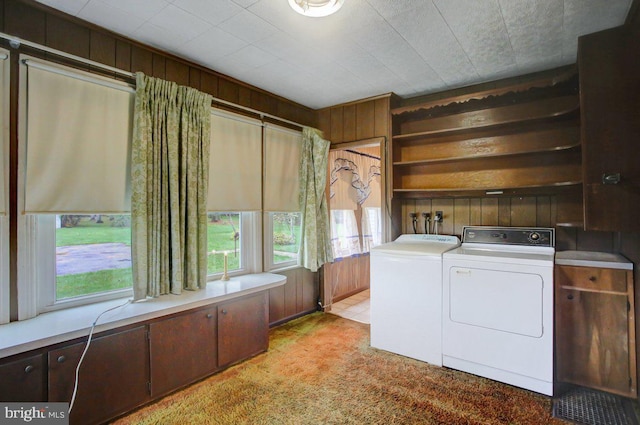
(531, 211)
(68, 36)
(297, 297)
(141, 60)
(123, 55)
(102, 48)
(344, 278)
(177, 72)
(25, 22)
(356, 121)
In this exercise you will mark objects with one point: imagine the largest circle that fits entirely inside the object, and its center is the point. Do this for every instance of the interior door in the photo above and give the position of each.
(356, 204)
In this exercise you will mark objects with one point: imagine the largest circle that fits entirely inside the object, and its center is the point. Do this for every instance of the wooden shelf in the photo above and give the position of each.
(540, 80)
(561, 188)
(491, 117)
(485, 145)
(534, 170)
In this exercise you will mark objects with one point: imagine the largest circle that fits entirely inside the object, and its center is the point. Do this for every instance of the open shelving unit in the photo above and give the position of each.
(516, 143)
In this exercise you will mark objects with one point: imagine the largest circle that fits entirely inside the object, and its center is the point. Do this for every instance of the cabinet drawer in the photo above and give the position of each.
(592, 278)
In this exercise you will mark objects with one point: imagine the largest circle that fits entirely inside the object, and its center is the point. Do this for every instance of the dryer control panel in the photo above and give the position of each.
(527, 236)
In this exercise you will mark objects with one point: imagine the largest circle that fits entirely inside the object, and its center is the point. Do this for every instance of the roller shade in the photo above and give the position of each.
(235, 163)
(282, 158)
(4, 140)
(78, 141)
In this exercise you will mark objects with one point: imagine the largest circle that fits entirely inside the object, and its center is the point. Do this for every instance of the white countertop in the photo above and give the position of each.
(64, 325)
(605, 260)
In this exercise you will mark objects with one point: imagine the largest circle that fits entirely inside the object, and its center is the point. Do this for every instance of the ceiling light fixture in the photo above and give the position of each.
(316, 8)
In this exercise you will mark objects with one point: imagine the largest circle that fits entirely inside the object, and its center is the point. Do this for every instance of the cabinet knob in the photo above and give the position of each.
(224, 311)
(29, 369)
(209, 316)
(592, 278)
(61, 359)
(570, 296)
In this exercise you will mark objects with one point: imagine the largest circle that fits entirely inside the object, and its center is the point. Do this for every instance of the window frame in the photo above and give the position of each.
(5, 304)
(250, 242)
(268, 249)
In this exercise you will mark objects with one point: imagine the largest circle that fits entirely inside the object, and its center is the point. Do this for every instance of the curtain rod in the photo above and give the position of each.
(15, 43)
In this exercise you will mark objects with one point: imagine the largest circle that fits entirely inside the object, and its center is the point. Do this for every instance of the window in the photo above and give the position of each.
(74, 226)
(283, 230)
(345, 237)
(236, 235)
(93, 255)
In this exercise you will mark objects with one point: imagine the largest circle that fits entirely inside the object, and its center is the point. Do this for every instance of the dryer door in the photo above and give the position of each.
(499, 300)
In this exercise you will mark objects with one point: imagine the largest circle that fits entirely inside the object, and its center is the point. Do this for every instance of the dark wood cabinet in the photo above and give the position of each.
(113, 377)
(243, 328)
(23, 379)
(127, 367)
(595, 328)
(609, 103)
(183, 349)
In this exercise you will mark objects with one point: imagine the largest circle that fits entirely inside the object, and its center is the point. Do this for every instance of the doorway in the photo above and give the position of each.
(356, 208)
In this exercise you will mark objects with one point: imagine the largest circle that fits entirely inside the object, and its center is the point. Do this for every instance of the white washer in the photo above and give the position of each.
(406, 296)
(498, 306)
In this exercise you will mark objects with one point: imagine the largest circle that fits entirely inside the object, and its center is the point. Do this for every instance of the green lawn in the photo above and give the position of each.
(220, 237)
(90, 232)
(74, 285)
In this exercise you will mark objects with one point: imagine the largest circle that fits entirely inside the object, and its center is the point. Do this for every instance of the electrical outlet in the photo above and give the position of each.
(413, 215)
(439, 216)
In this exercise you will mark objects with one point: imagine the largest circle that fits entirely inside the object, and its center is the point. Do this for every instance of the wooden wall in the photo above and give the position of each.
(33, 22)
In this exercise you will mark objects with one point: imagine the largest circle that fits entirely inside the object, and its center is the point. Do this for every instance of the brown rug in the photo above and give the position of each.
(320, 369)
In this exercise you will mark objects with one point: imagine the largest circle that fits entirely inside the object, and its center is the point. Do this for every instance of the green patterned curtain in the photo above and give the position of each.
(315, 247)
(169, 175)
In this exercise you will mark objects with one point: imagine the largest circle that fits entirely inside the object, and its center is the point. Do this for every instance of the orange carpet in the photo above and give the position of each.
(320, 369)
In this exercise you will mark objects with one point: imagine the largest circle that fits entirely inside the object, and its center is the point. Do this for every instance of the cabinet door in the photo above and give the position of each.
(592, 340)
(243, 328)
(183, 348)
(23, 380)
(113, 377)
(609, 104)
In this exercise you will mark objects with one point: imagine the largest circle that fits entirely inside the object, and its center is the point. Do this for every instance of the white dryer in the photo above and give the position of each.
(406, 295)
(498, 306)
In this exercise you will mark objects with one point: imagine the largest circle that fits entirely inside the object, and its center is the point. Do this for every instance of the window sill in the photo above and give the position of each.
(64, 325)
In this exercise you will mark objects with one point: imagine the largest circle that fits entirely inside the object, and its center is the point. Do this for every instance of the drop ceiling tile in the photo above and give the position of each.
(245, 3)
(145, 9)
(281, 45)
(214, 12)
(481, 31)
(179, 23)
(248, 27)
(159, 37)
(588, 16)
(212, 45)
(430, 36)
(117, 20)
(388, 9)
(251, 57)
(534, 28)
(72, 7)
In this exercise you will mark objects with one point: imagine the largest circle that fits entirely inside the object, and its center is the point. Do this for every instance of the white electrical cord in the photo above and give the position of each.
(75, 385)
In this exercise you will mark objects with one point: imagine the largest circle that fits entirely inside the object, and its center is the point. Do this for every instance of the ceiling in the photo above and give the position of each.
(368, 48)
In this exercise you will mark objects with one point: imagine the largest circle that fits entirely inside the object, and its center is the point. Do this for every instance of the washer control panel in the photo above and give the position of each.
(533, 236)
